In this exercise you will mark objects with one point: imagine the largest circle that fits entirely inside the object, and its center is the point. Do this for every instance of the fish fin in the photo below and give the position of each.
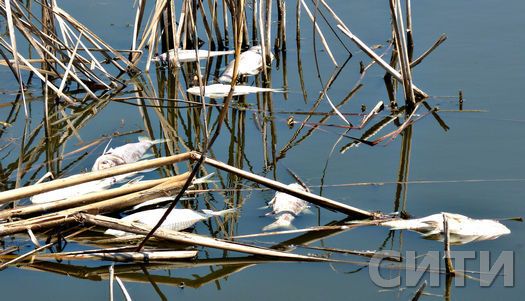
(219, 213)
(204, 179)
(115, 232)
(279, 224)
(307, 211)
(134, 180)
(263, 207)
(146, 156)
(156, 141)
(107, 145)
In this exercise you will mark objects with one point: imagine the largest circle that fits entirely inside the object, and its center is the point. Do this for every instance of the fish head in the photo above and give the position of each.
(107, 161)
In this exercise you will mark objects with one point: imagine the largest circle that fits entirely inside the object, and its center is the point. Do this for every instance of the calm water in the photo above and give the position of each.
(476, 168)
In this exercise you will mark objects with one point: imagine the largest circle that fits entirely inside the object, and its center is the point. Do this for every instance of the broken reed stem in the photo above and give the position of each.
(419, 291)
(190, 238)
(442, 38)
(321, 35)
(449, 267)
(342, 26)
(23, 256)
(23, 192)
(402, 51)
(310, 197)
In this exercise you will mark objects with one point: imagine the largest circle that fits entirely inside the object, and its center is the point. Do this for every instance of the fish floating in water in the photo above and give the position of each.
(125, 154)
(178, 219)
(285, 208)
(221, 90)
(73, 191)
(462, 229)
(250, 63)
(189, 55)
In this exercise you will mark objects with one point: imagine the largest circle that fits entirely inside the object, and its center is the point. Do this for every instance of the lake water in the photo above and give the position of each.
(476, 168)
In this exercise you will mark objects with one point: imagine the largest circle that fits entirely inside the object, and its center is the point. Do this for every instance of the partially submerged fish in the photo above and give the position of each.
(250, 63)
(462, 229)
(285, 208)
(127, 153)
(222, 90)
(189, 55)
(178, 219)
(73, 191)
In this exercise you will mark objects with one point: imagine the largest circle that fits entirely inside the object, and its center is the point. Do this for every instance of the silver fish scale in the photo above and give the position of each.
(285, 203)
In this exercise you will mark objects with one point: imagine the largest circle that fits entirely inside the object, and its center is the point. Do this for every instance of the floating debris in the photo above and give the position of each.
(189, 55)
(125, 154)
(285, 208)
(250, 63)
(462, 229)
(222, 90)
(178, 219)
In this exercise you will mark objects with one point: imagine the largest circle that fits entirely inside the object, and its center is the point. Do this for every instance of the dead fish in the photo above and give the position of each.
(127, 153)
(250, 63)
(462, 229)
(189, 55)
(178, 219)
(73, 191)
(221, 90)
(286, 207)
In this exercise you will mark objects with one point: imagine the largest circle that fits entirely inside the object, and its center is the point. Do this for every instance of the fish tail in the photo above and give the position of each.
(225, 79)
(156, 141)
(205, 179)
(280, 223)
(219, 213)
(114, 232)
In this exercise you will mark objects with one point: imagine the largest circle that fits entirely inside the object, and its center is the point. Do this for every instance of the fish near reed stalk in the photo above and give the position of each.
(73, 191)
(250, 63)
(462, 229)
(285, 208)
(221, 90)
(125, 154)
(178, 219)
(188, 55)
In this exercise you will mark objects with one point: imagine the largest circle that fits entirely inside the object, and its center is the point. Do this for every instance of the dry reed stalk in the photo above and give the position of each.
(409, 31)
(442, 38)
(419, 291)
(402, 51)
(37, 73)
(341, 25)
(449, 267)
(190, 238)
(28, 191)
(321, 35)
(310, 197)
(145, 256)
(12, 37)
(94, 39)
